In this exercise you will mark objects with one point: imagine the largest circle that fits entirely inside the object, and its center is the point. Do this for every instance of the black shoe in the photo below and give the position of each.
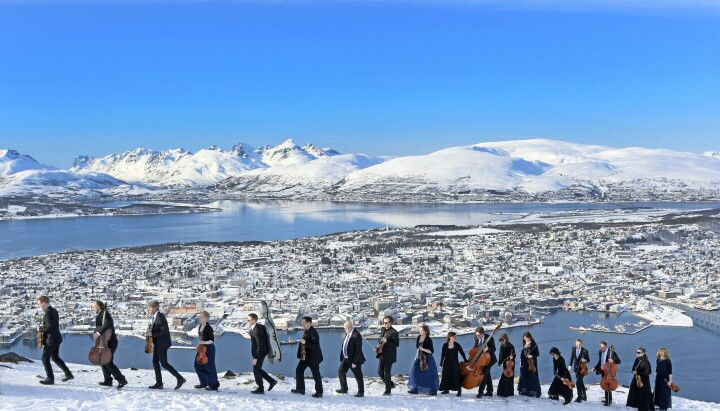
(272, 384)
(360, 394)
(446, 392)
(566, 402)
(180, 383)
(122, 384)
(433, 393)
(294, 391)
(392, 385)
(107, 383)
(317, 395)
(200, 386)
(459, 393)
(488, 394)
(258, 391)
(578, 399)
(479, 396)
(67, 377)
(47, 381)
(412, 392)
(157, 386)
(387, 392)
(341, 391)
(211, 388)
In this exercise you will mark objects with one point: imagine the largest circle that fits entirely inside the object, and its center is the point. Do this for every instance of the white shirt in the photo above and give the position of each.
(345, 344)
(152, 322)
(603, 358)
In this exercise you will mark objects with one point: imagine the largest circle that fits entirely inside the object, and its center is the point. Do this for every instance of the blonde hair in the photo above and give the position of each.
(205, 314)
(663, 353)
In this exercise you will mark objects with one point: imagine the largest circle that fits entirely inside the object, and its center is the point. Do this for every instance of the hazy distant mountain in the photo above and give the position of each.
(712, 154)
(521, 170)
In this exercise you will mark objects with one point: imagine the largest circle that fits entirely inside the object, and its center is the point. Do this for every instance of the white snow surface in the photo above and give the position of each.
(20, 390)
(12, 162)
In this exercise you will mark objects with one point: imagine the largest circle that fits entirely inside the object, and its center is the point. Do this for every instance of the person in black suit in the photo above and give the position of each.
(260, 347)
(104, 322)
(390, 340)
(351, 358)
(486, 384)
(605, 358)
(160, 333)
(578, 356)
(313, 357)
(51, 339)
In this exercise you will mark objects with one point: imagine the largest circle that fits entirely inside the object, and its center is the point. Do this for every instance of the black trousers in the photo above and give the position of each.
(160, 358)
(357, 371)
(300, 376)
(580, 384)
(53, 352)
(385, 373)
(486, 383)
(260, 374)
(111, 370)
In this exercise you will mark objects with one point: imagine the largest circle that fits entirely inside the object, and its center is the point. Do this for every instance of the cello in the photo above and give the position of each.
(609, 383)
(509, 369)
(471, 372)
(101, 354)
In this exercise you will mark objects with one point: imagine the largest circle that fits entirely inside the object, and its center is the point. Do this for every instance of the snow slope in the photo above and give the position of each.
(20, 390)
(12, 162)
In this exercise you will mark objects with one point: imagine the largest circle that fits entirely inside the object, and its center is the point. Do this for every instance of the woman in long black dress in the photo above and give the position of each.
(558, 388)
(641, 398)
(529, 384)
(506, 386)
(423, 373)
(207, 374)
(663, 379)
(451, 365)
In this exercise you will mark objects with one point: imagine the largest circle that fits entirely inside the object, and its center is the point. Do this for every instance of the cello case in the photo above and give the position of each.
(274, 353)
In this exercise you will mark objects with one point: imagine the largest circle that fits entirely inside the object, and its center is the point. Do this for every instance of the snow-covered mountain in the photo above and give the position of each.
(532, 167)
(712, 154)
(286, 153)
(12, 162)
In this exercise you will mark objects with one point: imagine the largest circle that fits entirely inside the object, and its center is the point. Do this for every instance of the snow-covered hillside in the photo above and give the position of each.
(12, 162)
(19, 390)
(536, 166)
(712, 154)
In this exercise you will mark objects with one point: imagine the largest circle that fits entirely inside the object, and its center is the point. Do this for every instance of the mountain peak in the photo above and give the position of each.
(712, 154)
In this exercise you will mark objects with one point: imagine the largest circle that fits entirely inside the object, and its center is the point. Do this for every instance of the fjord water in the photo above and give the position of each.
(688, 347)
(261, 220)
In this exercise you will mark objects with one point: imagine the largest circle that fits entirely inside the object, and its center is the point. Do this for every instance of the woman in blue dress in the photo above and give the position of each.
(424, 373)
(663, 379)
(529, 384)
(207, 374)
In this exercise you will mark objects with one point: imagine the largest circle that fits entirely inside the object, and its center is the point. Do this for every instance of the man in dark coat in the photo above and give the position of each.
(260, 347)
(605, 357)
(480, 339)
(159, 330)
(104, 322)
(390, 340)
(313, 357)
(578, 356)
(351, 358)
(51, 339)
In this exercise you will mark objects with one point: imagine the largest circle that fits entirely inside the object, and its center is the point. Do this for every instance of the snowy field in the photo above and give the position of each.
(20, 390)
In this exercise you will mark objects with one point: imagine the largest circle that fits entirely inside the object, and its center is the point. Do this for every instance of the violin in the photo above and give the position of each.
(509, 369)
(303, 352)
(608, 382)
(148, 344)
(638, 381)
(39, 337)
(582, 369)
(379, 349)
(567, 382)
(674, 387)
(423, 361)
(531, 365)
(201, 356)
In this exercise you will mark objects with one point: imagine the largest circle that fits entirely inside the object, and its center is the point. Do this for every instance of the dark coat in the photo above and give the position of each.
(260, 344)
(506, 351)
(599, 367)
(389, 354)
(109, 325)
(51, 327)
(575, 360)
(641, 398)
(426, 344)
(313, 352)
(490, 347)
(207, 333)
(355, 354)
(161, 332)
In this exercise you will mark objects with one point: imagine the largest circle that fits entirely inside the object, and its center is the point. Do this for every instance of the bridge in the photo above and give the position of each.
(706, 319)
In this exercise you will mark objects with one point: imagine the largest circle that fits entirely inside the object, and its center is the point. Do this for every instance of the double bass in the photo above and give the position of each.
(101, 354)
(609, 383)
(471, 372)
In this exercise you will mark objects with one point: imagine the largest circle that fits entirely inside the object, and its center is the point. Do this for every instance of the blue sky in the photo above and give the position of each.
(378, 77)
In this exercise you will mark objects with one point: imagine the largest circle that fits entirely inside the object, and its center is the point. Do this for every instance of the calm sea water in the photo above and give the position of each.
(688, 347)
(265, 220)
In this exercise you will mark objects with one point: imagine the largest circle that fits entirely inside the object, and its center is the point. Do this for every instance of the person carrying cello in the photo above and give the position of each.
(600, 367)
(486, 384)
(104, 322)
(578, 360)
